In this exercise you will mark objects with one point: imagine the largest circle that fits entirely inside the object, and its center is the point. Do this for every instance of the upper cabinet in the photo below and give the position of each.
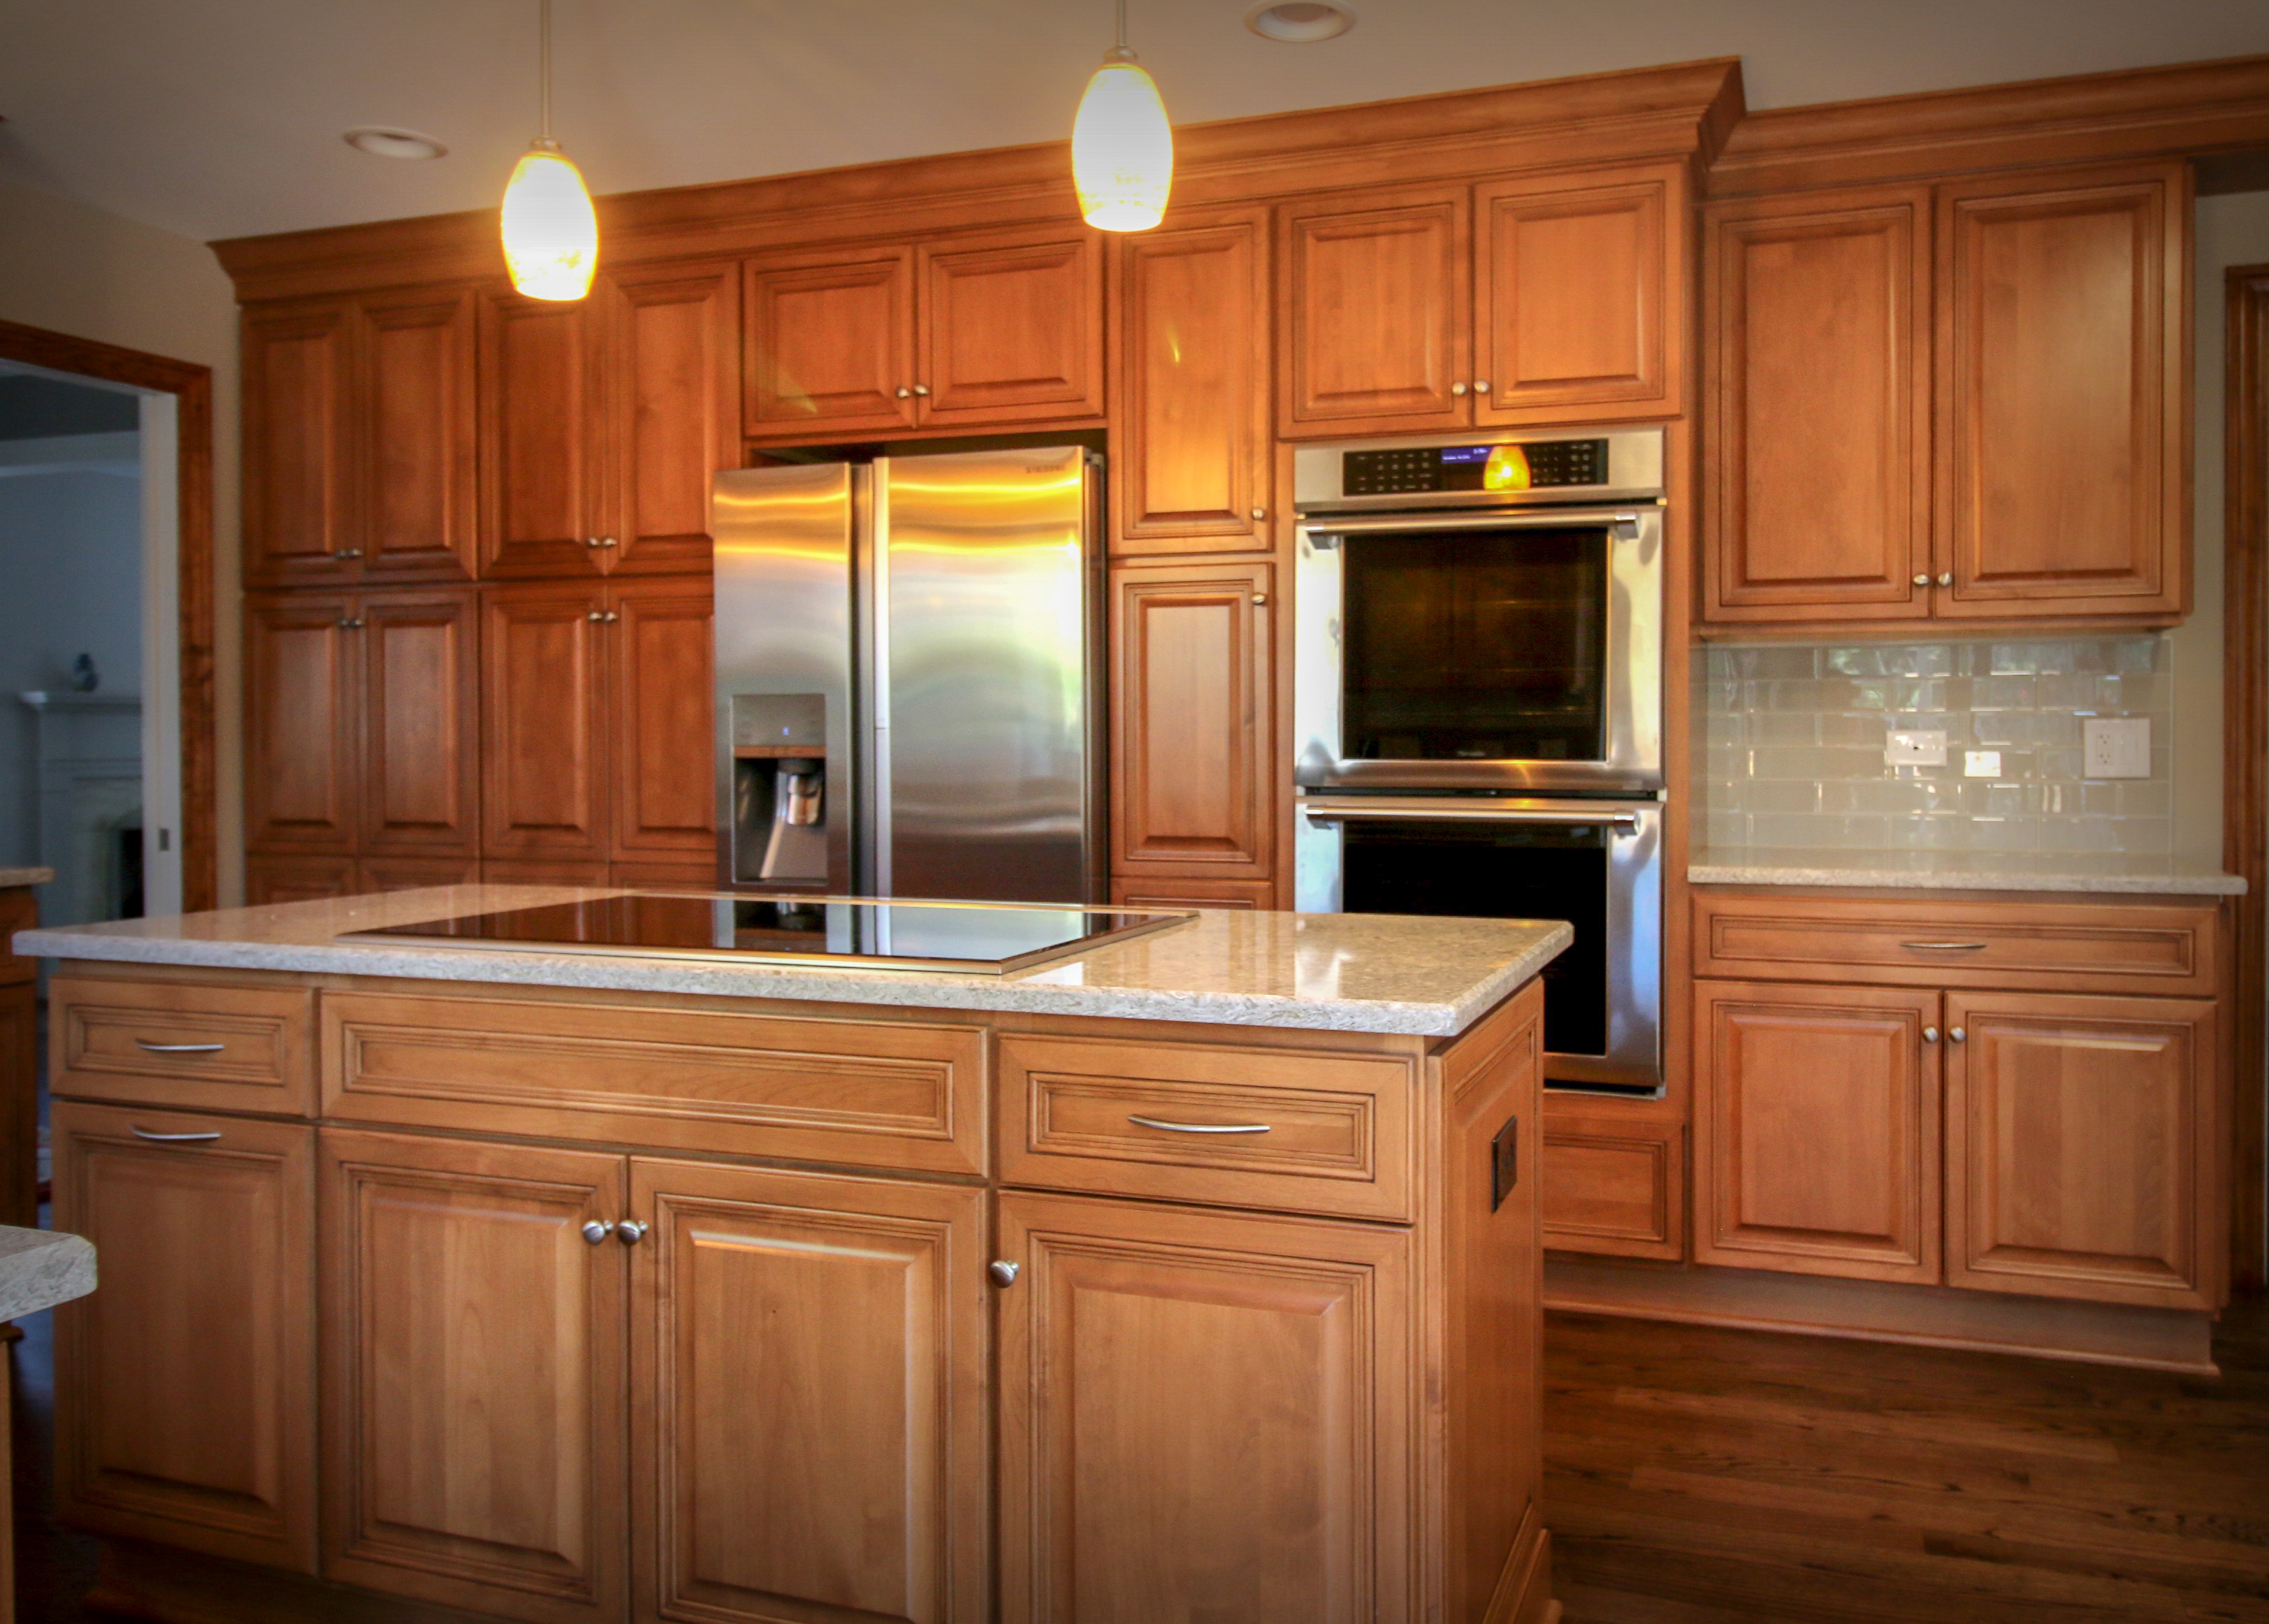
(1538, 299)
(964, 331)
(1965, 403)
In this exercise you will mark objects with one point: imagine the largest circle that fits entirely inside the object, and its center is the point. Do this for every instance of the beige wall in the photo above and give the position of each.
(77, 270)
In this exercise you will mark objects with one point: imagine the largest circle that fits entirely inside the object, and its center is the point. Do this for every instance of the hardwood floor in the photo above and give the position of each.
(1700, 1476)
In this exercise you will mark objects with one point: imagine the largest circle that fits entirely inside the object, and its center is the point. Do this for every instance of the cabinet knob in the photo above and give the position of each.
(1457, 389)
(349, 623)
(1923, 579)
(606, 541)
(921, 388)
(597, 615)
(1003, 1272)
(1481, 386)
(630, 1231)
(344, 553)
(591, 541)
(1260, 512)
(1930, 1034)
(1260, 598)
(1958, 1034)
(597, 1230)
(904, 392)
(1947, 579)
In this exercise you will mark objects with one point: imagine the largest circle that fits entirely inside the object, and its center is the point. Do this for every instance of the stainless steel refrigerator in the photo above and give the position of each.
(909, 676)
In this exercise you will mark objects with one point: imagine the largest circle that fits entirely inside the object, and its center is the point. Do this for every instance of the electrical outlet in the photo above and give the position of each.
(2116, 747)
(1911, 747)
(1981, 763)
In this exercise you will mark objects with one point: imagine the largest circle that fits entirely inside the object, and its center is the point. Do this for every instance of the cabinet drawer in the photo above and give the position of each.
(1612, 1186)
(183, 1044)
(2079, 947)
(866, 1093)
(1237, 1127)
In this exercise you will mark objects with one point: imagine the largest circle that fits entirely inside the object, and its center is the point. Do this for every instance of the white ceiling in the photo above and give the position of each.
(220, 118)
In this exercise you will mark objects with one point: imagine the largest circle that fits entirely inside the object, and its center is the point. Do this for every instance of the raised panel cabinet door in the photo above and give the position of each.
(1190, 780)
(473, 1375)
(830, 345)
(418, 440)
(2064, 398)
(185, 1391)
(544, 733)
(302, 677)
(270, 878)
(659, 656)
(674, 369)
(1579, 296)
(1817, 398)
(2083, 1141)
(1170, 891)
(809, 1420)
(1816, 1129)
(420, 723)
(1011, 328)
(1202, 1416)
(1374, 313)
(299, 477)
(544, 436)
(1193, 367)
(413, 873)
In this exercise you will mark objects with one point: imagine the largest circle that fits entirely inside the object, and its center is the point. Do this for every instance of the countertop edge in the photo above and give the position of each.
(40, 1268)
(1003, 996)
(1911, 880)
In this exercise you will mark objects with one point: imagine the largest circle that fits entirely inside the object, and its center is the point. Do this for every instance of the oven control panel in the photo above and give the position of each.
(1536, 466)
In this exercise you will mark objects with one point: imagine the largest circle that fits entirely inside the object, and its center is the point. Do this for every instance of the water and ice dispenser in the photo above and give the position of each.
(779, 789)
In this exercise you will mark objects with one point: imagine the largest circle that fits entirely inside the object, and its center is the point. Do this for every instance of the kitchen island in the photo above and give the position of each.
(1196, 1276)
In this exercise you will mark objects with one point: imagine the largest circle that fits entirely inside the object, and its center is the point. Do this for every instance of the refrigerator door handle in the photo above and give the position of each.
(878, 796)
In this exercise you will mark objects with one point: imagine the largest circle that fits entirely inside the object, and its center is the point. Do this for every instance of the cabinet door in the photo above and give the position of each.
(2063, 427)
(831, 344)
(414, 873)
(420, 721)
(1374, 313)
(664, 752)
(19, 1103)
(1815, 1129)
(1172, 891)
(301, 703)
(543, 438)
(809, 1398)
(416, 433)
(1202, 1416)
(2082, 1144)
(268, 878)
(1579, 293)
(298, 480)
(674, 377)
(1194, 448)
(1189, 748)
(185, 1393)
(1817, 403)
(544, 740)
(474, 1398)
(1011, 328)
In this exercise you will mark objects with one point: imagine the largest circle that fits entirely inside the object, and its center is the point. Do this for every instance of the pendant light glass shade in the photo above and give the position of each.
(550, 231)
(1122, 149)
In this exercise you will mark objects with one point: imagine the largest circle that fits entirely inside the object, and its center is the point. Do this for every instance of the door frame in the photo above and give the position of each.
(191, 387)
(2245, 748)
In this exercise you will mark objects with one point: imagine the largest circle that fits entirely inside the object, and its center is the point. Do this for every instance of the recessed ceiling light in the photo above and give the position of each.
(380, 141)
(1300, 22)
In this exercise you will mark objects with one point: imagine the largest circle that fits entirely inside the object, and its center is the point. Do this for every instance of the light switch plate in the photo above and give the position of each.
(1981, 763)
(1911, 747)
(2116, 747)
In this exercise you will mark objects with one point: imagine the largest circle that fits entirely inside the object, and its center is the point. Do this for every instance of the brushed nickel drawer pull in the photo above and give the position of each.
(145, 1045)
(1947, 947)
(1198, 1127)
(207, 1137)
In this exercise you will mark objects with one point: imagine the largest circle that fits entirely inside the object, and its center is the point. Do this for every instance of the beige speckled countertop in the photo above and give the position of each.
(40, 1268)
(12, 877)
(1323, 971)
(2108, 872)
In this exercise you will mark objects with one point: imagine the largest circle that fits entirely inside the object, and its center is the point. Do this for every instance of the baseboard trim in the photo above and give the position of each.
(2149, 1339)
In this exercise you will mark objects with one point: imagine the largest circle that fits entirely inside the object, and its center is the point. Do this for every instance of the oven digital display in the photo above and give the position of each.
(1417, 470)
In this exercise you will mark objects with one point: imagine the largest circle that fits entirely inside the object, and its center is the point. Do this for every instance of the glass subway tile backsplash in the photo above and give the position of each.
(1789, 745)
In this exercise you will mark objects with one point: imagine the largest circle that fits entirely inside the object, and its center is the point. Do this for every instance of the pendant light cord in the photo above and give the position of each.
(1122, 23)
(543, 64)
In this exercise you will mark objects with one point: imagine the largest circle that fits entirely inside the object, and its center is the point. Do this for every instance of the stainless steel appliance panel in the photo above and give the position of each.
(987, 654)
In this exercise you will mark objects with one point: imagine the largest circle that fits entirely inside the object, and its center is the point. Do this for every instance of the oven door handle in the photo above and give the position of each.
(1621, 817)
(1325, 529)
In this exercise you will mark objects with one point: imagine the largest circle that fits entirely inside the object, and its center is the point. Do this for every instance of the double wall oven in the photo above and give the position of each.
(1478, 707)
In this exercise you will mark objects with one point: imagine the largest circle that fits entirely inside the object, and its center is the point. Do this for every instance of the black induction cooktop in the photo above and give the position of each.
(980, 938)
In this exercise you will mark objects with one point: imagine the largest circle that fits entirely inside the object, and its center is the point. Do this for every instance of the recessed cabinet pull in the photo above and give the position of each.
(1946, 947)
(596, 1230)
(1930, 1034)
(1198, 1127)
(206, 1138)
(630, 1231)
(1002, 1272)
(147, 1047)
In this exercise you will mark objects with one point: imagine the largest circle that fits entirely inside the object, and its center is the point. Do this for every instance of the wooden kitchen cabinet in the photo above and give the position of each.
(297, 483)
(672, 380)
(962, 330)
(2083, 1147)
(1615, 1182)
(184, 1386)
(660, 692)
(542, 456)
(270, 877)
(1815, 1129)
(302, 740)
(474, 1375)
(1817, 400)
(1192, 363)
(1191, 740)
(1174, 891)
(808, 1357)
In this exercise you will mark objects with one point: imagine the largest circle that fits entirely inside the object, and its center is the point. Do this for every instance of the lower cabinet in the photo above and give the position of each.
(1200, 1413)
(185, 1395)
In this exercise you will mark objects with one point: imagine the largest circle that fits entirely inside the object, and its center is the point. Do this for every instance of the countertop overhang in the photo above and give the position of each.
(1342, 973)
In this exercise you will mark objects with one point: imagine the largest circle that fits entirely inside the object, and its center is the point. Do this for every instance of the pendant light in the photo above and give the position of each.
(550, 231)
(1122, 149)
